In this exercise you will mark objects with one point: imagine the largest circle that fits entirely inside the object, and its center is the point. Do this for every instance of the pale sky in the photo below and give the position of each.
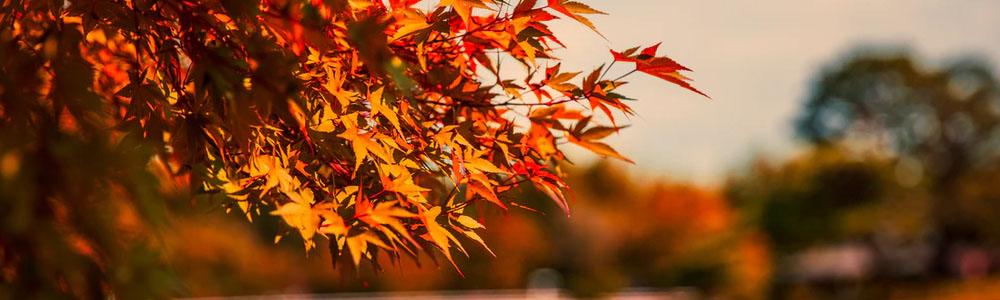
(757, 59)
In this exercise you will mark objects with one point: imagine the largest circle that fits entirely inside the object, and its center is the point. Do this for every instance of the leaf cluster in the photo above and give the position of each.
(371, 124)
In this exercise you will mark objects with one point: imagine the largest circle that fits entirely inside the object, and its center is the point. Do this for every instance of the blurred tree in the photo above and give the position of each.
(940, 127)
(373, 124)
(805, 202)
(945, 119)
(838, 223)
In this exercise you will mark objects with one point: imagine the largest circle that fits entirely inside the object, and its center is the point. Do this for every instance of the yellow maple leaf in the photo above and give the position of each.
(378, 107)
(464, 7)
(411, 21)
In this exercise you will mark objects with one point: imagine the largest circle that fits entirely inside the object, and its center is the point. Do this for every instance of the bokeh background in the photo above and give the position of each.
(851, 150)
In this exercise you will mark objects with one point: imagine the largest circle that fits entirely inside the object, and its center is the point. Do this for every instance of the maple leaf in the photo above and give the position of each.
(558, 111)
(557, 81)
(272, 169)
(305, 217)
(659, 66)
(379, 107)
(464, 7)
(362, 143)
(333, 86)
(469, 223)
(399, 4)
(544, 181)
(598, 132)
(601, 149)
(574, 10)
(437, 234)
(325, 120)
(358, 244)
(474, 162)
(480, 185)
(541, 139)
(385, 213)
(599, 99)
(588, 139)
(411, 21)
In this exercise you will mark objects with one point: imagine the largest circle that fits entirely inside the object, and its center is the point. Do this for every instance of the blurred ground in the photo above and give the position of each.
(478, 294)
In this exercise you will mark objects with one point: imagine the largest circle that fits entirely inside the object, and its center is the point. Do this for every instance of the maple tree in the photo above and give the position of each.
(372, 124)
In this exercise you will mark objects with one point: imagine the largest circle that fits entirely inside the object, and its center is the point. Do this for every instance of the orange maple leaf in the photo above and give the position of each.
(660, 66)
(574, 10)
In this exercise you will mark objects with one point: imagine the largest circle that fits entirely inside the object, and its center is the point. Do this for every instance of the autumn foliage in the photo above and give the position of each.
(371, 124)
